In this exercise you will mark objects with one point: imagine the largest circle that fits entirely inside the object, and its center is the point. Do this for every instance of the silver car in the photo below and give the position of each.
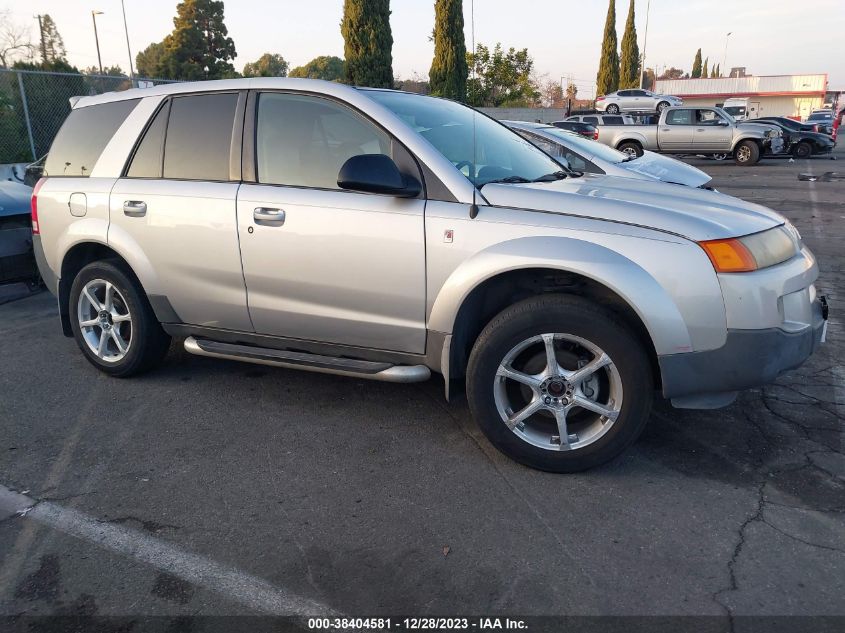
(584, 155)
(635, 100)
(385, 235)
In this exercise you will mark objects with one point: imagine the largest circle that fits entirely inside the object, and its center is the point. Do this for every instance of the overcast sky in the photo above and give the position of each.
(564, 36)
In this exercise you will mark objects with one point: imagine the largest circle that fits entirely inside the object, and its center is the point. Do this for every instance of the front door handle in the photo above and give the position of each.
(269, 217)
(135, 208)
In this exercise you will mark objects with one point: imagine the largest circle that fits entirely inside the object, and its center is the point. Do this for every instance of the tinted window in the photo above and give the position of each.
(146, 163)
(624, 93)
(199, 137)
(613, 120)
(591, 119)
(638, 93)
(84, 136)
(304, 141)
(679, 117)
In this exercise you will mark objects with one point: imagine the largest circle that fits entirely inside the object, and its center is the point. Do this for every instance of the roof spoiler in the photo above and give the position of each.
(74, 101)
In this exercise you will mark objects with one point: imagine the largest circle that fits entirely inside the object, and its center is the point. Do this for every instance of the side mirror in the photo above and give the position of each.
(722, 123)
(377, 173)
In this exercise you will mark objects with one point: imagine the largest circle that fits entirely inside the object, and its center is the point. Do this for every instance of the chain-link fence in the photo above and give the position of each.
(34, 104)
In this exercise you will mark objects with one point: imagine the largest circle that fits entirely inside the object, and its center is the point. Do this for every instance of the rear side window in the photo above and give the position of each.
(591, 119)
(146, 163)
(199, 137)
(613, 120)
(679, 117)
(84, 136)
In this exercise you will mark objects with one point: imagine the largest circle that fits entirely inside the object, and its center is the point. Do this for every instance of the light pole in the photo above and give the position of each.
(645, 41)
(128, 50)
(725, 56)
(94, 15)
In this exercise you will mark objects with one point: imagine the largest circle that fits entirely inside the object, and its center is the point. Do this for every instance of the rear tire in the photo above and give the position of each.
(802, 150)
(631, 148)
(662, 106)
(612, 109)
(518, 339)
(747, 153)
(113, 322)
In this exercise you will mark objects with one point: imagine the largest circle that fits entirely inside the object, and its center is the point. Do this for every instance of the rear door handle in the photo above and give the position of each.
(135, 208)
(269, 217)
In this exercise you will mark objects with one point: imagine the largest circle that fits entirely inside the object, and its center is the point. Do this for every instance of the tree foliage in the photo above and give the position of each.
(704, 71)
(607, 79)
(53, 46)
(671, 73)
(199, 47)
(571, 91)
(696, 65)
(716, 71)
(326, 67)
(629, 70)
(448, 74)
(551, 95)
(268, 65)
(501, 78)
(648, 79)
(368, 43)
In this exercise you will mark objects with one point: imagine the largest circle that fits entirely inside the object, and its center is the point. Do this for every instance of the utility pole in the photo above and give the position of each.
(94, 15)
(43, 43)
(128, 50)
(725, 56)
(645, 41)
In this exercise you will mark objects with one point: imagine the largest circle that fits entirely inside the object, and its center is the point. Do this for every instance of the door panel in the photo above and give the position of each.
(676, 134)
(343, 267)
(710, 136)
(188, 233)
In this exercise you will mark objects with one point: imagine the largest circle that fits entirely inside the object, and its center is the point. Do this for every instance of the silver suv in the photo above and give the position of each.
(635, 101)
(385, 235)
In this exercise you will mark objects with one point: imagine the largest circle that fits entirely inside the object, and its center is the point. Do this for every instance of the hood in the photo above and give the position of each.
(666, 169)
(697, 214)
(14, 198)
(752, 125)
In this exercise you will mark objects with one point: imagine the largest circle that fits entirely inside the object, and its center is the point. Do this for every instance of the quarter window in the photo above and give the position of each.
(83, 137)
(146, 163)
(303, 141)
(199, 137)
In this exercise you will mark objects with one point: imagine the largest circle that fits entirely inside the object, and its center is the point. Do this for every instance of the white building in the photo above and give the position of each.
(793, 96)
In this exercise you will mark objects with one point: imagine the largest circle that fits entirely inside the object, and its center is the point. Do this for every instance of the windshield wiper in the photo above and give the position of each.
(506, 180)
(557, 175)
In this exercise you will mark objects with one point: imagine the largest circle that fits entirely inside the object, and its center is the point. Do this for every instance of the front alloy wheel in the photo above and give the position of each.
(571, 401)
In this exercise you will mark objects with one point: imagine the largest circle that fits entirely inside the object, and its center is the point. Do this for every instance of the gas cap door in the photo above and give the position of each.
(78, 204)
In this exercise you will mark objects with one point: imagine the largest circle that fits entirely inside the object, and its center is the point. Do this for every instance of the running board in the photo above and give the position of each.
(308, 362)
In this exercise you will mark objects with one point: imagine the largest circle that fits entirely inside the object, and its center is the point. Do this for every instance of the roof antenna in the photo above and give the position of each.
(473, 208)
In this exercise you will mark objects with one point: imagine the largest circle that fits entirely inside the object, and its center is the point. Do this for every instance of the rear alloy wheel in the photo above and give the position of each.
(113, 322)
(662, 106)
(719, 157)
(613, 109)
(557, 383)
(802, 150)
(747, 153)
(631, 149)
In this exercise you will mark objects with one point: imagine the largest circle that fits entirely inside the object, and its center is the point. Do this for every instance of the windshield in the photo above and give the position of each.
(735, 110)
(499, 153)
(585, 145)
(820, 116)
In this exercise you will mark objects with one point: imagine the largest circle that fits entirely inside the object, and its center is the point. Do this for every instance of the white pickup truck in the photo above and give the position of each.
(696, 130)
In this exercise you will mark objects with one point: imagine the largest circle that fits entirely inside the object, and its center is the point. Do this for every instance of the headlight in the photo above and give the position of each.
(752, 252)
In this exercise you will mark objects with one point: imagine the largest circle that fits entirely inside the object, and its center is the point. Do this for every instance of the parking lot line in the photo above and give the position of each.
(228, 582)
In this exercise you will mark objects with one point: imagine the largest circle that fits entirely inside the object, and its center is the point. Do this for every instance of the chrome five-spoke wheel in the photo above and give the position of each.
(104, 320)
(558, 392)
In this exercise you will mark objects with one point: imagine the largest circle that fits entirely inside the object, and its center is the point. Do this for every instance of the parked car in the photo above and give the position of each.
(583, 155)
(635, 101)
(696, 131)
(386, 235)
(603, 119)
(802, 144)
(16, 258)
(587, 130)
(823, 120)
(792, 124)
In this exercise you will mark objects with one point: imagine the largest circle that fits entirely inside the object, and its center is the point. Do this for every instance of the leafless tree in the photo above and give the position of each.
(15, 41)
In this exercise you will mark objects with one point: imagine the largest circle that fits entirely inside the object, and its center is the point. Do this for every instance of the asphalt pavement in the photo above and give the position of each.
(210, 487)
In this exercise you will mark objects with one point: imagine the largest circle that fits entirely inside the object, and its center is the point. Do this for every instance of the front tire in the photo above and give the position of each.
(559, 383)
(113, 322)
(802, 150)
(612, 109)
(631, 148)
(747, 153)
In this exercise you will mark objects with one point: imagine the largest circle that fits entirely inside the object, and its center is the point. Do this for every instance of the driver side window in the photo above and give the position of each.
(303, 141)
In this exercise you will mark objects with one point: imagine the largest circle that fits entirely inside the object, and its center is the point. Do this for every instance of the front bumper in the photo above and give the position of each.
(749, 358)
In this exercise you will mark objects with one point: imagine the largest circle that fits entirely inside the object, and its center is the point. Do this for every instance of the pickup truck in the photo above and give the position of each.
(696, 130)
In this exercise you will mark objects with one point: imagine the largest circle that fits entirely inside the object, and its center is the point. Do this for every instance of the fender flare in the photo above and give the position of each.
(649, 300)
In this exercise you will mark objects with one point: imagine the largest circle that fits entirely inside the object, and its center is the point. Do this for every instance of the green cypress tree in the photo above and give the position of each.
(718, 72)
(448, 74)
(607, 79)
(705, 73)
(629, 71)
(696, 65)
(368, 43)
